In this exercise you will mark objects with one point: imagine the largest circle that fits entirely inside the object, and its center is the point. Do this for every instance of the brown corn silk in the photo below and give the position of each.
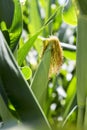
(56, 54)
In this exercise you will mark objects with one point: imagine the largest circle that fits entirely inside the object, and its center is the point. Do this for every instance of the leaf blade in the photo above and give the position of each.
(11, 15)
(18, 91)
(40, 80)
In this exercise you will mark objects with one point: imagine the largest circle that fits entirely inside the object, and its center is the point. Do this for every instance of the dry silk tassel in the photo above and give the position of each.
(56, 54)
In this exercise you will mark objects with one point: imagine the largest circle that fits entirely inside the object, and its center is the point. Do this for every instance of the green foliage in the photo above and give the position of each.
(70, 55)
(69, 14)
(41, 75)
(5, 113)
(40, 102)
(11, 15)
(34, 16)
(16, 88)
(71, 95)
(23, 51)
(26, 72)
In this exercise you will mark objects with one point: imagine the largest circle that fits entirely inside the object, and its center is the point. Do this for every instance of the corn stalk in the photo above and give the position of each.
(82, 64)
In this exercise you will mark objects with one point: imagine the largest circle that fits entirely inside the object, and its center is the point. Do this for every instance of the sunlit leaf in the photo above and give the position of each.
(35, 17)
(58, 19)
(69, 14)
(10, 14)
(16, 26)
(70, 54)
(51, 18)
(23, 51)
(26, 72)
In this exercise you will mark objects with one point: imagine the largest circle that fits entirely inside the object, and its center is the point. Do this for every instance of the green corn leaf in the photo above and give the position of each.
(35, 21)
(71, 97)
(16, 27)
(70, 54)
(23, 51)
(48, 8)
(5, 113)
(39, 83)
(3, 93)
(69, 51)
(26, 72)
(34, 16)
(51, 18)
(10, 14)
(58, 19)
(69, 14)
(69, 115)
(18, 90)
(48, 14)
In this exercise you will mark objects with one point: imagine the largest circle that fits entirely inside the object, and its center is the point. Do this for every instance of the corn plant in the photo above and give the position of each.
(17, 96)
(31, 96)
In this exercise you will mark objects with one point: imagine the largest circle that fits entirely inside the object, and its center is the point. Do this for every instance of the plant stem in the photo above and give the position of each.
(85, 119)
(80, 118)
(81, 67)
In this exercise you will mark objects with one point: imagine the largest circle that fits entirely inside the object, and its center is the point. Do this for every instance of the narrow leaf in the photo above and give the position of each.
(39, 83)
(34, 16)
(23, 51)
(71, 96)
